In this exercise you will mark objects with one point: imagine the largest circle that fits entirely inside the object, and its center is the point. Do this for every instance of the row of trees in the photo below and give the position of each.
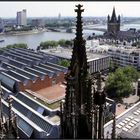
(21, 45)
(53, 44)
(43, 45)
(120, 83)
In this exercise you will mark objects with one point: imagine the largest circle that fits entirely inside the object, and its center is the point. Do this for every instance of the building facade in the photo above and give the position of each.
(1, 25)
(21, 18)
(125, 57)
(38, 22)
(96, 62)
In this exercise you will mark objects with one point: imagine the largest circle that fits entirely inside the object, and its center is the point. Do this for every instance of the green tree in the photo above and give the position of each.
(64, 62)
(131, 73)
(62, 42)
(69, 42)
(118, 84)
(48, 44)
(21, 45)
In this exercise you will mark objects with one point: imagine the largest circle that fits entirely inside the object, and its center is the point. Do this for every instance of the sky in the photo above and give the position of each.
(52, 9)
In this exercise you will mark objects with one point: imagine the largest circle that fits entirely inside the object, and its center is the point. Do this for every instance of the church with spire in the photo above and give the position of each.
(82, 112)
(114, 31)
(113, 23)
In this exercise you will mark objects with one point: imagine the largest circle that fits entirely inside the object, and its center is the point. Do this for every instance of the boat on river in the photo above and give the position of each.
(2, 40)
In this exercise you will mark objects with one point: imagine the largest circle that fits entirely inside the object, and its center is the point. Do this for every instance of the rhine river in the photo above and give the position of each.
(33, 40)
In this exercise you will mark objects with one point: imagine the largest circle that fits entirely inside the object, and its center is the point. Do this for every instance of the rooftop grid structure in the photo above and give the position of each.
(32, 70)
(127, 124)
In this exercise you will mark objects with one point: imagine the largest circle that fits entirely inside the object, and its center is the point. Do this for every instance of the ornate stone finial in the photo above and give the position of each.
(79, 22)
(79, 8)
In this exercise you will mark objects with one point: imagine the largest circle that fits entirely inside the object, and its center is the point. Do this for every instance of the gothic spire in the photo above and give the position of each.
(82, 113)
(79, 50)
(78, 66)
(75, 119)
(113, 18)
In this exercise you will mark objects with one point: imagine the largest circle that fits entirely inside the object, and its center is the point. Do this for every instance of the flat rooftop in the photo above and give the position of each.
(67, 53)
(51, 94)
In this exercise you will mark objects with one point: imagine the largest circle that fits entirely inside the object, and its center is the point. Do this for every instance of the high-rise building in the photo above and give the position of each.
(113, 24)
(59, 16)
(1, 25)
(22, 18)
(82, 113)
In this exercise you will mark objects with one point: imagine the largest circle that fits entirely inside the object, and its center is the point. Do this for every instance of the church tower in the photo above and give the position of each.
(113, 24)
(77, 112)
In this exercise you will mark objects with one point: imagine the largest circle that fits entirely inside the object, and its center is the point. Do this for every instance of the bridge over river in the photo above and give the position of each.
(93, 28)
(84, 27)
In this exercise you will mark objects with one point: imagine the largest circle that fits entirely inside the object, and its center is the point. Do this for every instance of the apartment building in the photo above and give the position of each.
(124, 56)
(21, 18)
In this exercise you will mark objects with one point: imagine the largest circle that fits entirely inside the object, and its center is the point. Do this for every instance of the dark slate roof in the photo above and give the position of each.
(21, 123)
(50, 73)
(24, 55)
(3, 58)
(32, 115)
(25, 126)
(30, 75)
(37, 72)
(9, 82)
(18, 76)
(64, 69)
(6, 92)
(34, 104)
(57, 70)
(29, 53)
(19, 58)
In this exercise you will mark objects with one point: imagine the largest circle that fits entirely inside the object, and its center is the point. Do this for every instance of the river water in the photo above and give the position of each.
(33, 40)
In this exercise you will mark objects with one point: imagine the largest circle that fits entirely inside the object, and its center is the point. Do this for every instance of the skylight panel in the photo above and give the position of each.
(118, 126)
(136, 113)
(131, 124)
(128, 126)
(127, 119)
(121, 123)
(137, 120)
(134, 122)
(124, 121)
(130, 117)
(125, 129)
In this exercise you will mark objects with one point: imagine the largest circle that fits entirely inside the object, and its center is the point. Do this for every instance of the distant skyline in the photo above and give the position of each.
(52, 9)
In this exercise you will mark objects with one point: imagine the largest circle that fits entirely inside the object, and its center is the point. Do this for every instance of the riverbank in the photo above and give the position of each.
(23, 32)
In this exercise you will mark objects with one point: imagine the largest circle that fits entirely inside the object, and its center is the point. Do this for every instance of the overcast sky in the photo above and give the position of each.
(48, 9)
